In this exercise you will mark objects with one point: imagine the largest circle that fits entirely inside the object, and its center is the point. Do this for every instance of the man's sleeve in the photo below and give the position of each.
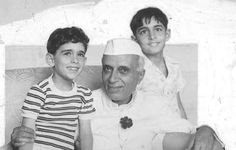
(168, 121)
(157, 142)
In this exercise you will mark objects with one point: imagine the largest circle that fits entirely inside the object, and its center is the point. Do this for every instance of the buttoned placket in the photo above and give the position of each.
(120, 112)
(123, 133)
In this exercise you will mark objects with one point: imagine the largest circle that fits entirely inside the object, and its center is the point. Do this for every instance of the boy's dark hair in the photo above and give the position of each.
(146, 14)
(65, 35)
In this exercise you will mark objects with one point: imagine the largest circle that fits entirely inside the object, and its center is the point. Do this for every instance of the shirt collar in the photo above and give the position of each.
(53, 86)
(108, 102)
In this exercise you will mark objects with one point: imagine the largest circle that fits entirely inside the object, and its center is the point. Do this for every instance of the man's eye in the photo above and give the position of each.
(106, 69)
(123, 70)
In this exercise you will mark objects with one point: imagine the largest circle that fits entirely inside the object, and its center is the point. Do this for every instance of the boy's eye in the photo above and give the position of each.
(81, 54)
(123, 70)
(142, 32)
(67, 53)
(158, 29)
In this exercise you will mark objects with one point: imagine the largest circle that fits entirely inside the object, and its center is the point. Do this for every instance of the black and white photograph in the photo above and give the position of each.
(118, 75)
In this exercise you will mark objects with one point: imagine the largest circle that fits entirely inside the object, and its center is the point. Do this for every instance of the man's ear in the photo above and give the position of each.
(50, 59)
(168, 34)
(141, 75)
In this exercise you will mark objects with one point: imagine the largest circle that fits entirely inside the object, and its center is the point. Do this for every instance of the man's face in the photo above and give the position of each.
(120, 76)
(152, 36)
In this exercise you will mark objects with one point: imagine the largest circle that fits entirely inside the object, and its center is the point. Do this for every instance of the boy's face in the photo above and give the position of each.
(68, 61)
(152, 37)
(120, 76)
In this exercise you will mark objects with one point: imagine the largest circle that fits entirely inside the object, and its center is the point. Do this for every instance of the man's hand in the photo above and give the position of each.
(204, 139)
(22, 135)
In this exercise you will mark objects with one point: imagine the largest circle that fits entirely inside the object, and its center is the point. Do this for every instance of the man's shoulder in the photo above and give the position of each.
(98, 91)
(98, 94)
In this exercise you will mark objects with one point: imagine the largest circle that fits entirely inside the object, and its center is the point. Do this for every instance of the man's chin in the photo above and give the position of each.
(113, 96)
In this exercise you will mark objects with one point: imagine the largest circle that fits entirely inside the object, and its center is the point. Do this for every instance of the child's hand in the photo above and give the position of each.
(22, 135)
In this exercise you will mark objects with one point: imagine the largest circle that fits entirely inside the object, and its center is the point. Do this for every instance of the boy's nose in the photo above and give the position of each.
(152, 35)
(74, 59)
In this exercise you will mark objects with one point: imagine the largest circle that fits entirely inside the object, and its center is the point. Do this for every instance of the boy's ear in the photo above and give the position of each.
(85, 60)
(168, 34)
(133, 38)
(50, 59)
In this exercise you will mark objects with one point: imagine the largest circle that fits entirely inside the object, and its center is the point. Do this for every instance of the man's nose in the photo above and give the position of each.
(113, 76)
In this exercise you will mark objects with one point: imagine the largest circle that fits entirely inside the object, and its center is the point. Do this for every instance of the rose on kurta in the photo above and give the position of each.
(126, 122)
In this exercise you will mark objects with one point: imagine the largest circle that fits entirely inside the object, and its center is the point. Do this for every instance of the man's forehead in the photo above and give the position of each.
(126, 59)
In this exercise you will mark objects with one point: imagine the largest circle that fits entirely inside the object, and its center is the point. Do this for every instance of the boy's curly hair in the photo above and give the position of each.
(65, 35)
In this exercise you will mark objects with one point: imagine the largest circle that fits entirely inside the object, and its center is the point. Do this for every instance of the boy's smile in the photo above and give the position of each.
(152, 36)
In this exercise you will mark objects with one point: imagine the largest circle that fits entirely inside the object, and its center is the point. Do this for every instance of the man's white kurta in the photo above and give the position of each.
(149, 116)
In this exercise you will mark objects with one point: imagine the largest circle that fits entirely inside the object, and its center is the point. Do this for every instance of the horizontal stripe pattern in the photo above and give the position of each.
(57, 113)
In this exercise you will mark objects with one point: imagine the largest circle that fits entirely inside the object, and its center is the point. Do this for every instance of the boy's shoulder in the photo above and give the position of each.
(42, 84)
(171, 60)
(84, 90)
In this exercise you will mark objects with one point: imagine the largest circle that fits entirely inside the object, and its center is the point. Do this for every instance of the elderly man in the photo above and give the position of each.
(127, 119)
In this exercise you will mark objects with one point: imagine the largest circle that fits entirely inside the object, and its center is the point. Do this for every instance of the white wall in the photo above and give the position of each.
(2, 92)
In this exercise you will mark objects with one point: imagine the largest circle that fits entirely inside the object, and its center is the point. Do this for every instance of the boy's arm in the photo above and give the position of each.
(184, 141)
(181, 108)
(30, 123)
(201, 140)
(177, 141)
(86, 137)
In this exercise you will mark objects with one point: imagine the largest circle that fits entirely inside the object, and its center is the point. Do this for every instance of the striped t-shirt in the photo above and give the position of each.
(56, 112)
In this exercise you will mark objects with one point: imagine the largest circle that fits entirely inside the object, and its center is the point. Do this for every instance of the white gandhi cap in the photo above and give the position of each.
(122, 46)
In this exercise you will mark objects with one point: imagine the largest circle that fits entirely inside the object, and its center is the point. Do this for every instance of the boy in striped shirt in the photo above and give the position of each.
(53, 106)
